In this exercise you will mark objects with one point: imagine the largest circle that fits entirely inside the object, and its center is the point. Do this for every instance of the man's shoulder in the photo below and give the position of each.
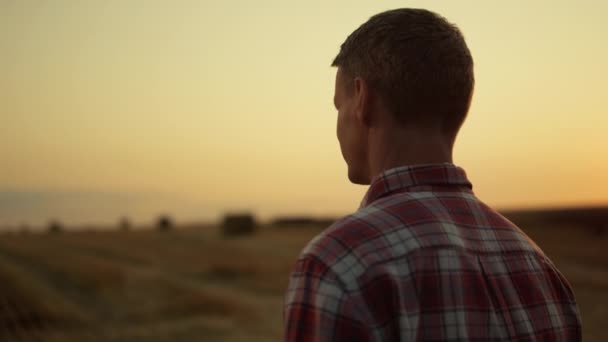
(372, 226)
(399, 224)
(349, 232)
(396, 212)
(356, 241)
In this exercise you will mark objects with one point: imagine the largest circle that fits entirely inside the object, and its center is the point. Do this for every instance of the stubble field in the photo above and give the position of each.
(194, 284)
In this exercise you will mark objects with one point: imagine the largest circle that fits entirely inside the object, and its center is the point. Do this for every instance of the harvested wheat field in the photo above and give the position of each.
(193, 284)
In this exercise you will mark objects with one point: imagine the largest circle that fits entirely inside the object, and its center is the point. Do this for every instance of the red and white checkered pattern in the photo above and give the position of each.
(424, 260)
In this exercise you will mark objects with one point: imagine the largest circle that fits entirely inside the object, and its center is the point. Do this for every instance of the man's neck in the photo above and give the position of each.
(388, 151)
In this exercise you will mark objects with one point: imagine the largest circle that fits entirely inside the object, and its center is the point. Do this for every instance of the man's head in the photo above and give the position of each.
(404, 68)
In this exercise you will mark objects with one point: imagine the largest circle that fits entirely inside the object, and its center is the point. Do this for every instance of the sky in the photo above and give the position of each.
(196, 108)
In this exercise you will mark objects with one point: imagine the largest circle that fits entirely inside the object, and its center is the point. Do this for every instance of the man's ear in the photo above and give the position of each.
(362, 101)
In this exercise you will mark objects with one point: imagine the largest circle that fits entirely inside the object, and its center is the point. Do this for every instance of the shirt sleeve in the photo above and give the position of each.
(318, 308)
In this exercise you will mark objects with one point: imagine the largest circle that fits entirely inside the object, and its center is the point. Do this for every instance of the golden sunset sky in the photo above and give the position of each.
(135, 108)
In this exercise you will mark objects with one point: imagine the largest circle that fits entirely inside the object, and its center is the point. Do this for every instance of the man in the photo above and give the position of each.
(423, 258)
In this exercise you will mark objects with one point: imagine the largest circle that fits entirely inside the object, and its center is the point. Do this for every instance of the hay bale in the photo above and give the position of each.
(238, 225)
(124, 224)
(55, 227)
(164, 223)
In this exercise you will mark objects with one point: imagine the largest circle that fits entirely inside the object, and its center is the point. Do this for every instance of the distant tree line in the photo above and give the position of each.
(238, 224)
(593, 218)
(299, 221)
(232, 224)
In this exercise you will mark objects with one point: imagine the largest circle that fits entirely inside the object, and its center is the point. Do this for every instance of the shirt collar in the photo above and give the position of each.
(423, 177)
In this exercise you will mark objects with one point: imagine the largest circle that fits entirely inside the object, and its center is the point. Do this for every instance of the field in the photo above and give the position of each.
(192, 284)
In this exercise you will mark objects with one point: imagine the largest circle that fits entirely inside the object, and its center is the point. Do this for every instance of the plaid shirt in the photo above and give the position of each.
(423, 259)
